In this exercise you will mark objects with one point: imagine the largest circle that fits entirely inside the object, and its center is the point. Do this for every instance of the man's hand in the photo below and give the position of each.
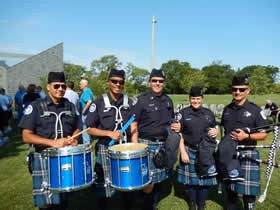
(116, 135)
(239, 135)
(58, 143)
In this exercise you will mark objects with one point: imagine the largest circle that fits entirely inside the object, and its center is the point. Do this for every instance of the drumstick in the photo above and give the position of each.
(77, 134)
(123, 128)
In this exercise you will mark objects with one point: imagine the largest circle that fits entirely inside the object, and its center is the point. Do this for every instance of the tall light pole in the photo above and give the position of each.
(153, 42)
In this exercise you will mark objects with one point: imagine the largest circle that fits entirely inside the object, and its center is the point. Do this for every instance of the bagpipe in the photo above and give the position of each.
(271, 162)
(166, 157)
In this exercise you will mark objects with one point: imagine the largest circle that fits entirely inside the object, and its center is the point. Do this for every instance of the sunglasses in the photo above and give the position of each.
(157, 80)
(114, 81)
(57, 86)
(240, 89)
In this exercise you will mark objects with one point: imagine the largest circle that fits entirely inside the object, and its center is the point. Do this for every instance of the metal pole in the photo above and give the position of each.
(153, 42)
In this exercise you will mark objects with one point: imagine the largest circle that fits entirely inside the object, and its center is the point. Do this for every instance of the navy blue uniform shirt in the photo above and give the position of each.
(99, 117)
(45, 126)
(195, 124)
(153, 114)
(249, 115)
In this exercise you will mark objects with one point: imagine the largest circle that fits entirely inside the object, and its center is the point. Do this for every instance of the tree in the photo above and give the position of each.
(219, 78)
(104, 63)
(174, 72)
(74, 73)
(270, 71)
(195, 77)
(98, 84)
(137, 79)
(259, 81)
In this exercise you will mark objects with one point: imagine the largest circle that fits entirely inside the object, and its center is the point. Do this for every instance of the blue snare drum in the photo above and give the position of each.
(70, 168)
(129, 166)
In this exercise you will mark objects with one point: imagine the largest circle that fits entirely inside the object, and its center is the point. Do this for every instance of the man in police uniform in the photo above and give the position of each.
(242, 113)
(154, 113)
(106, 117)
(43, 131)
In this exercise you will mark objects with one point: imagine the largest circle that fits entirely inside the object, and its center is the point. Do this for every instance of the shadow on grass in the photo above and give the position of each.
(87, 200)
(12, 147)
(213, 195)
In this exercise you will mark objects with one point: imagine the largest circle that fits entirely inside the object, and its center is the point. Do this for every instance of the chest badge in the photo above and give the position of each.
(247, 114)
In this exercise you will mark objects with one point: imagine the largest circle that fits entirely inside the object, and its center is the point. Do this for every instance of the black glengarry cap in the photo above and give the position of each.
(241, 80)
(196, 91)
(157, 73)
(56, 77)
(117, 73)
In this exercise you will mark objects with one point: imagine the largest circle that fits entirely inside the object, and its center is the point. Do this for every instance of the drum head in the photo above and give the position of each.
(128, 147)
(128, 150)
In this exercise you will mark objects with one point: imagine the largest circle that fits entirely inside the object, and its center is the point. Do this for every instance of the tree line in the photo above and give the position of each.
(180, 76)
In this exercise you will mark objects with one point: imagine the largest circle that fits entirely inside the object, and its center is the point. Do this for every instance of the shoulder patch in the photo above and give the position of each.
(178, 116)
(92, 108)
(28, 110)
(263, 115)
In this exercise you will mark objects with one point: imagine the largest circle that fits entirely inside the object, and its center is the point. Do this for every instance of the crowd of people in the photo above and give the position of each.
(6, 116)
(9, 106)
(62, 117)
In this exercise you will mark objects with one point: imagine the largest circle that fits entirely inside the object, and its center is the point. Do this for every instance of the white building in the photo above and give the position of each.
(31, 69)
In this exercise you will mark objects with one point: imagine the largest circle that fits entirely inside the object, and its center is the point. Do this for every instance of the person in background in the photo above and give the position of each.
(86, 98)
(18, 101)
(30, 96)
(4, 118)
(273, 108)
(154, 112)
(40, 91)
(9, 112)
(49, 130)
(240, 114)
(196, 122)
(71, 95)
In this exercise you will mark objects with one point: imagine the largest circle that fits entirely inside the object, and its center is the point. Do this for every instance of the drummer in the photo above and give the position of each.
(49, 122)
(154, 112)
(106, 117)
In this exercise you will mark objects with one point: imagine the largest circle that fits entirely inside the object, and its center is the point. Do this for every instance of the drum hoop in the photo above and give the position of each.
(68, 150)
(128, 154)
(73, 188)
(127, 189)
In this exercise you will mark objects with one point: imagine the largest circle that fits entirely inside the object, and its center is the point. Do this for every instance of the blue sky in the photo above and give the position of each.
(237, 32)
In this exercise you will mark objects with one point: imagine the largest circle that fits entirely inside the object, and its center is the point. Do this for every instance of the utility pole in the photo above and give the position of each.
(153, 43)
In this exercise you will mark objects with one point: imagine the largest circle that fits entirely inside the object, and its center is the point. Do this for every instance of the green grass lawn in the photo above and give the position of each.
(225, 99)
(16, 186)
